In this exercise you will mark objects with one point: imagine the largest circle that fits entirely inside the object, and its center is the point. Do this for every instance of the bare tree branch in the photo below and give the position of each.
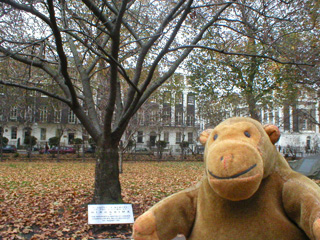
(27, 8)
(240, 54)
(109, 59)
(139, 101)
(183, 56)
(62, 56)
(145, 49)
(130, 29)
(12, 84)
(36, 63)
(87, 91)
(98, 13)
(113, 80)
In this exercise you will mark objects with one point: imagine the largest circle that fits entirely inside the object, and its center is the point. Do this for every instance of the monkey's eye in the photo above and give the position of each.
(215, 137)
(247, 134)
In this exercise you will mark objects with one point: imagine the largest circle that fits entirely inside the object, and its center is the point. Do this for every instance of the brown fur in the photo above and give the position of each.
(248, 192)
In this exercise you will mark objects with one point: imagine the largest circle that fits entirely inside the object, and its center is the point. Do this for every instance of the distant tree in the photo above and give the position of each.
(54, 141)
(4, 141)
(253, 80)
(30, 142)
(77, 143)
(92, 143)
(161, 145)
(184, 145)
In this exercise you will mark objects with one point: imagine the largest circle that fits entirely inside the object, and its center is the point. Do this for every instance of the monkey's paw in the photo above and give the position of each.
(145, 228)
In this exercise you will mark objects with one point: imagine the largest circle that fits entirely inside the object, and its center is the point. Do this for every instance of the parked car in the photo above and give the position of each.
(9, 149)
(62, 150)
(90, 150)
(142, 150)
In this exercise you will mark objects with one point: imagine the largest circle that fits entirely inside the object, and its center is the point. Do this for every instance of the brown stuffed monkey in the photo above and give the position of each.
(248, 192)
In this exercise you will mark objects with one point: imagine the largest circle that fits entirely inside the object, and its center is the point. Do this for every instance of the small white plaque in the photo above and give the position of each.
(110, 214)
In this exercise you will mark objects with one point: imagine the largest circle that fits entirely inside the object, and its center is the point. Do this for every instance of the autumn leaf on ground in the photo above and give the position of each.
(48, 200)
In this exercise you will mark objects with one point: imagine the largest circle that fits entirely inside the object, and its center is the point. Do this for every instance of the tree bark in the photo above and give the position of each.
(252, 108)
(107, 182)
(121, 161)
(1, 144)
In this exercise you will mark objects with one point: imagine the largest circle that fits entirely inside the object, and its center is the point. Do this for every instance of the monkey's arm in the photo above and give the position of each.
(301, 200)
(171, 216)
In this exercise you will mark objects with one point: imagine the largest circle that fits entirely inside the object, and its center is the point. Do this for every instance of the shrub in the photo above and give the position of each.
(30, 140)
(91, 142)
(77, 141)
(54, 141)
(4, 141)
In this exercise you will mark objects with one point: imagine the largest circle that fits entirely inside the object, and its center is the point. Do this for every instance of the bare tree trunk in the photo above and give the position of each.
(30, 148)
(107, 183)
(251, 101)
(120, 160)
(253, 109)
(1, 145)
(58, 153)
(83, 151)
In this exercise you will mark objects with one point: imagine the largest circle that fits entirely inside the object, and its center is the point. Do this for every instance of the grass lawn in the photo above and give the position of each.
(48, 200)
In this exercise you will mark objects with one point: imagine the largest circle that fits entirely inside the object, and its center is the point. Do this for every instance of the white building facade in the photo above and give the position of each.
(172, 117)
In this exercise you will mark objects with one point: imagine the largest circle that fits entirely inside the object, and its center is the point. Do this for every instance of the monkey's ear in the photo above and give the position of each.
(273, 132)
(204, 136)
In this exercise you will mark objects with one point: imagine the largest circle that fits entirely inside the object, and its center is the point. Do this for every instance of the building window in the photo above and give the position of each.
(190, 120)
(166, 116)
(29, 114)
(166, 137)
(140, 137)
(190, 137)
(190, 99)
(167, 97)
(71, 117)
(153, 138)
(70, 138)
(153, 116)
(43, 114)
(43, 134)
(304, 124)
(14, 131)
(179, 98)
(57, 116)
(13, 113)
(178, 137)
(178, 118)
